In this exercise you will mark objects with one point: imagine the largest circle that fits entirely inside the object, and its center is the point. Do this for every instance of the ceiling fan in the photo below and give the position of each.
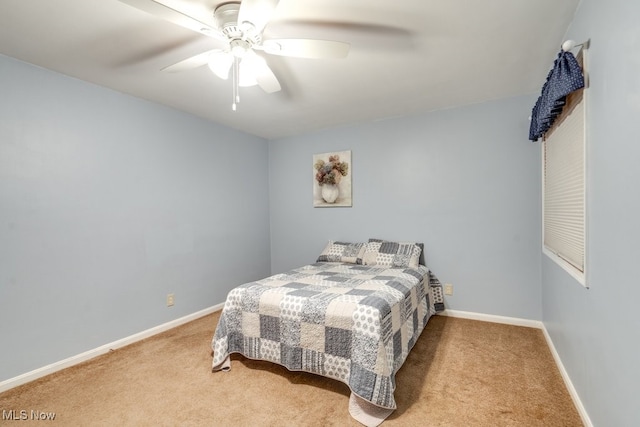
(240, 25)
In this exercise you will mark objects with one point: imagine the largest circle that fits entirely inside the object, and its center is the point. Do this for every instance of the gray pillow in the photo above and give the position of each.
(393, 254)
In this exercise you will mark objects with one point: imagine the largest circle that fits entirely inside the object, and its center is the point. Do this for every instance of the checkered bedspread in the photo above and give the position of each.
(349, 322)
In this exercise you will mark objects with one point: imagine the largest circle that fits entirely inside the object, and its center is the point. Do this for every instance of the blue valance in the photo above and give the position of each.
(564, 78)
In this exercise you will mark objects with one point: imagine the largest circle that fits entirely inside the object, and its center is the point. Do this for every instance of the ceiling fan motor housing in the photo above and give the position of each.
(226, 19)
(226, 15)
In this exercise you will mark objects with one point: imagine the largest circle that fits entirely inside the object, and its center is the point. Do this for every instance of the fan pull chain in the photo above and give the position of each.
(236, 83)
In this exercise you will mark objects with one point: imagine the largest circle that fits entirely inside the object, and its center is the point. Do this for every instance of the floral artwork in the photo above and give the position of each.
(332, 179)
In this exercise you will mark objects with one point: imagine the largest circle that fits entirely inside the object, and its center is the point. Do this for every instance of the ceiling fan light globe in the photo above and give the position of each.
(220, 64)
(239, 47)
(238, 51)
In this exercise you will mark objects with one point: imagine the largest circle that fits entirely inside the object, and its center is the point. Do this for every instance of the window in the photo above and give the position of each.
(564, 213)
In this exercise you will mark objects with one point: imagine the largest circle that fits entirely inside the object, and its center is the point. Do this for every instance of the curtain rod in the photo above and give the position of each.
(570, 44)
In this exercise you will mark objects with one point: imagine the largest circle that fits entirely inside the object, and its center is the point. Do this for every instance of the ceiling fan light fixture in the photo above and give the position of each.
(239, 47)
(241, 26)
(220, 64)
(249, 69)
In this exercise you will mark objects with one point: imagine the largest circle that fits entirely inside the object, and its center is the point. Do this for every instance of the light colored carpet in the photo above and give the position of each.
(460, 373)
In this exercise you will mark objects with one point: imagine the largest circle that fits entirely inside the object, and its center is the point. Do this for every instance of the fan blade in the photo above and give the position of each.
(267, 80)
(306, 48)
(256, 65)
(257, 12)
(189, 63)
(168, 14)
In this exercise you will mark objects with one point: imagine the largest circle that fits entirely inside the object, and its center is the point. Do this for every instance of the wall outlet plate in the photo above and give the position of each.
(170, 300)
(448, 289)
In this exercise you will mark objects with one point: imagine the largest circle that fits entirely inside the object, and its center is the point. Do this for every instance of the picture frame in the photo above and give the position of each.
(332, 174)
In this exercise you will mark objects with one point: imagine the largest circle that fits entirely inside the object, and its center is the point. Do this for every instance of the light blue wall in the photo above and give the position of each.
(597, 331)
(464, 181)
(108, 203)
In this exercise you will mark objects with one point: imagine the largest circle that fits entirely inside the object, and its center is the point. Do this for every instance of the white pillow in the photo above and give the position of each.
(342, 252)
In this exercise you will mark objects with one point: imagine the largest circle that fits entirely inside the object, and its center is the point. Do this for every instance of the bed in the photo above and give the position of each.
(353, 316)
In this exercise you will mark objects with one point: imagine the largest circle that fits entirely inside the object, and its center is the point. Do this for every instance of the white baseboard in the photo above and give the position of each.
(531, 324)
(493, 318)
(565, 376)
(79, 358)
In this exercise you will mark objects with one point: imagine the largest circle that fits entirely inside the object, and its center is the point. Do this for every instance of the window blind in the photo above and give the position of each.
(564, 188)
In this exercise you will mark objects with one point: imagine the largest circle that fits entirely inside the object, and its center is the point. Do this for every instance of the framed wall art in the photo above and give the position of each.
(332, 179)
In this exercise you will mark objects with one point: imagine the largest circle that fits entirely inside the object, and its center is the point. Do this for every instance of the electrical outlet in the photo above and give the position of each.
(448, 289)
(170, 300)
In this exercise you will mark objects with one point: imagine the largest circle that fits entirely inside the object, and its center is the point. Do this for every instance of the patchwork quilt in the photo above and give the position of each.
(349, 322)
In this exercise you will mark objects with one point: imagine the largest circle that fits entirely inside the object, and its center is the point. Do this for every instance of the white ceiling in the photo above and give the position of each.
(406, 56)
